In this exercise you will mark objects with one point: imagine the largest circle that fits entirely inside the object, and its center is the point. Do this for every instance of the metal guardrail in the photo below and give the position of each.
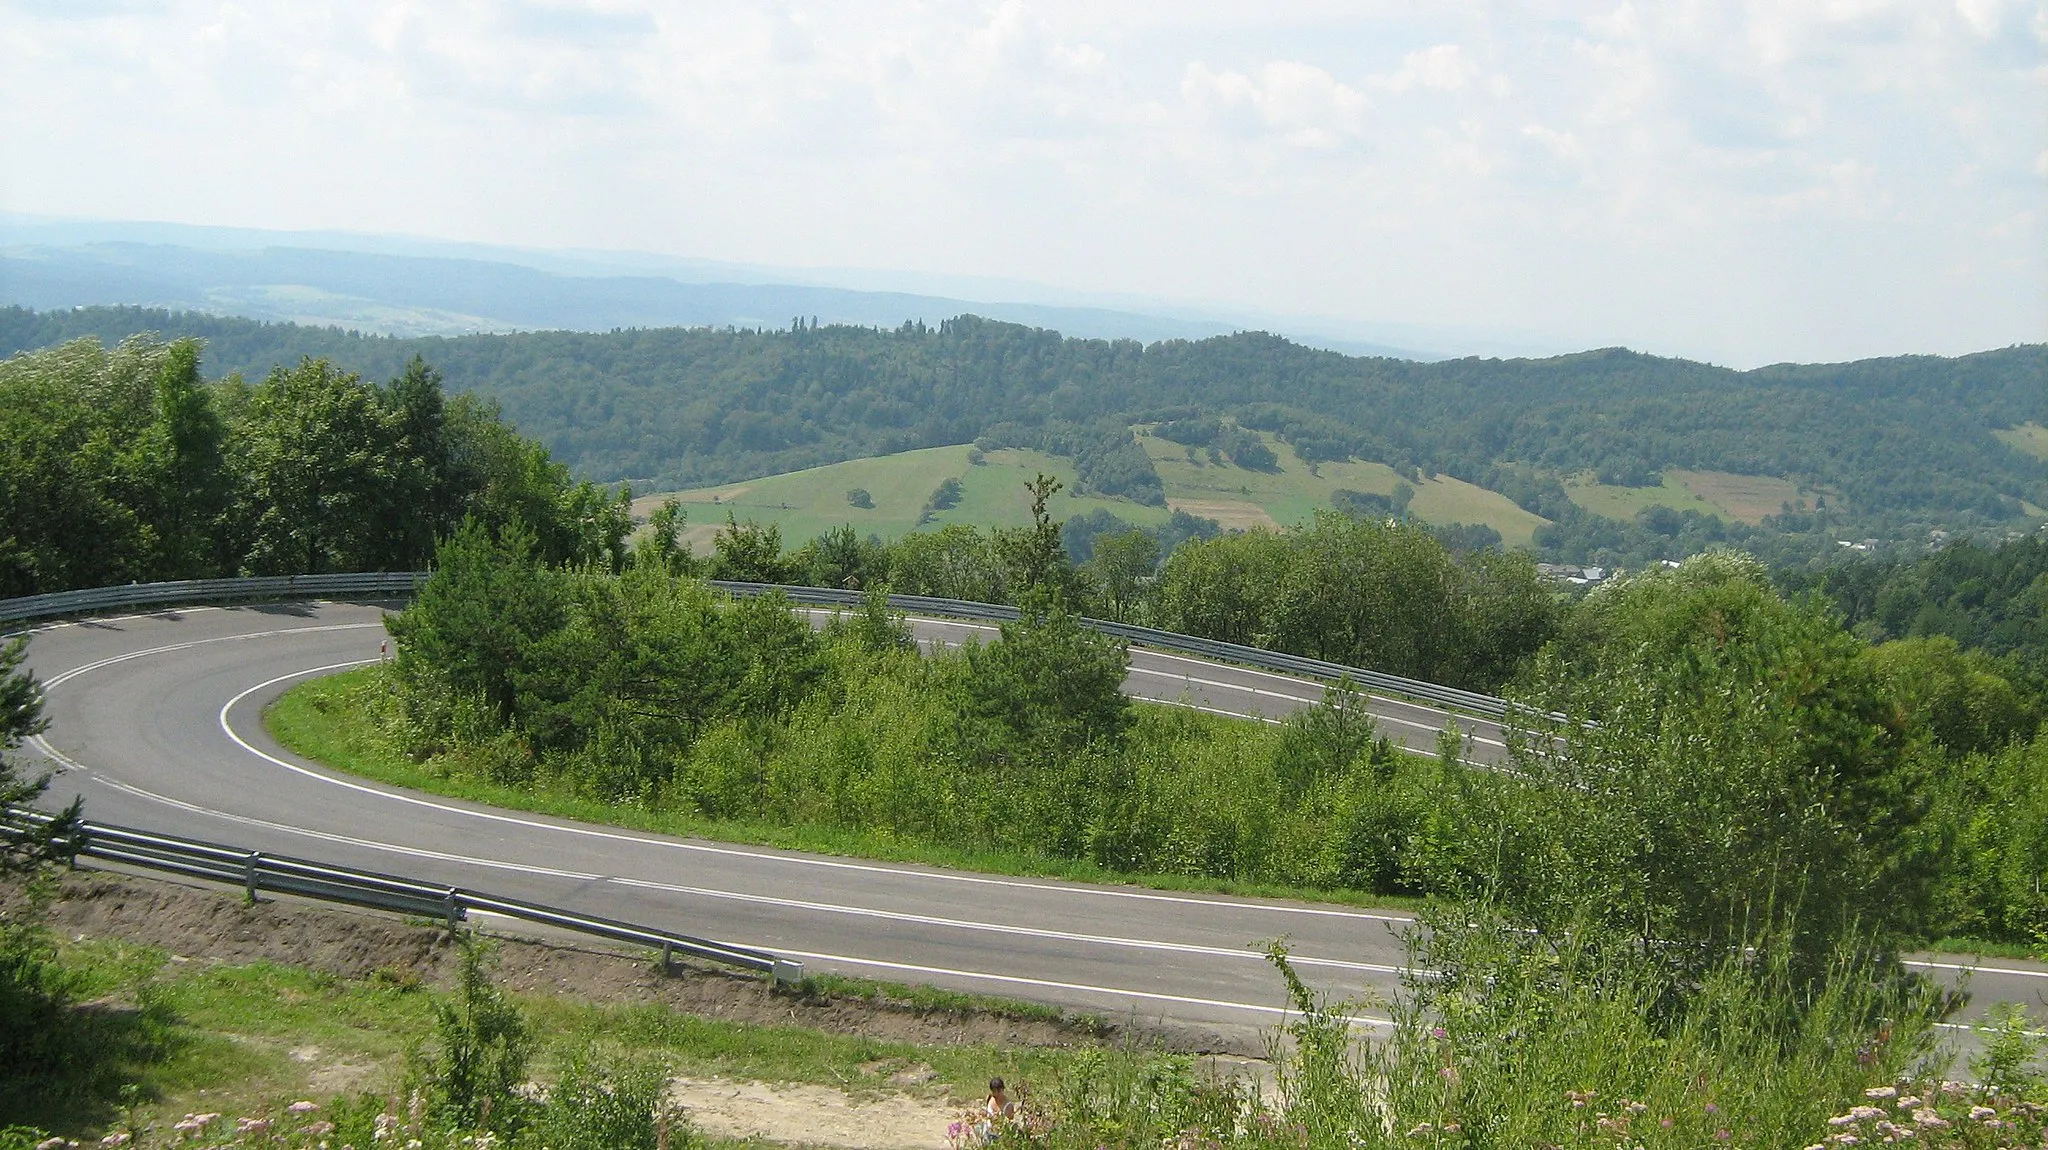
(402, 583)
(256, 871)
(94, 600)
(1451, 697)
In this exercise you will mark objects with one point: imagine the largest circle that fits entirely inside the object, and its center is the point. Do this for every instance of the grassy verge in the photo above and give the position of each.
(318, 720)
(1978, 948)
(250, 1039)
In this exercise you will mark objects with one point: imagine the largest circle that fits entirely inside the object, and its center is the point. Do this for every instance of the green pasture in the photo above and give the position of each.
(805, 503)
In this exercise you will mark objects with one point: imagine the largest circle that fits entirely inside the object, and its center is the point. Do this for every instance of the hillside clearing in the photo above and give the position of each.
(1293, 492)
(2029, 437)
(804, 504)
(1616, 502)
(1748, 498)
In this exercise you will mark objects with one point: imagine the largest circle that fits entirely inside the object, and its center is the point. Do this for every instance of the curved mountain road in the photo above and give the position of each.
(156, 720)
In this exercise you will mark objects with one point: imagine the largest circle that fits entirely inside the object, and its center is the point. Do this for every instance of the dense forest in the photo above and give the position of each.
(126, 465)
(1900, 445)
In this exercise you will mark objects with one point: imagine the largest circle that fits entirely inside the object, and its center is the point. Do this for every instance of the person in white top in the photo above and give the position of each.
(997, 1111)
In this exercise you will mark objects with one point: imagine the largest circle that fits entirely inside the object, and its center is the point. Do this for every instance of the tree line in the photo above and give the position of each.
(126, 464)
(1906, 442)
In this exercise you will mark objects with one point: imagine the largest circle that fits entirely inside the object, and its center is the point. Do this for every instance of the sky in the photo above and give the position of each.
(1733, 181)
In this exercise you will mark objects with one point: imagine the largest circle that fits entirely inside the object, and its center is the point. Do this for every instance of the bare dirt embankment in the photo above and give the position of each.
(197, 923)
(208, 924)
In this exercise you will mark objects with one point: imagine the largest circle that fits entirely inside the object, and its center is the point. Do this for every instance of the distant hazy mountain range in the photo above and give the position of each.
(413, 287)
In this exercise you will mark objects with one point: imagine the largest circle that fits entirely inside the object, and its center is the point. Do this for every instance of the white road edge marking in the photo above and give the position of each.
(43, 745)
(1017, 980)
(798, 860)
(736, 896)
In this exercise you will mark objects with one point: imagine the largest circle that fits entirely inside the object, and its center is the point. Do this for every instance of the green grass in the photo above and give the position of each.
(804, 504)
(2029, 437)
(1625, 502)
(1722, 494)
(321, 720)
(248, 1039)
(1748, 498)
(1293, 492)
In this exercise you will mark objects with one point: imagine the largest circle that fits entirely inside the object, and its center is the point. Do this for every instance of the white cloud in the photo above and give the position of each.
(1443, 67)
(1748, 181)
(1300, 103)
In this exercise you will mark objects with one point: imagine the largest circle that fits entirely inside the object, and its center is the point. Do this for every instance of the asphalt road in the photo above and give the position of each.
(156, 720)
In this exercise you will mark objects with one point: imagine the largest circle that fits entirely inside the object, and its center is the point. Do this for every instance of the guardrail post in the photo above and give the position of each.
(453, 909)
(250, 866)
(787, 972)
(667, 954)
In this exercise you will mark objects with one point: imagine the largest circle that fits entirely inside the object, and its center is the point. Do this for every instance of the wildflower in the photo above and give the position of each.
(1842, 1120)
(50, 1144)
(319, 1129)
(1844, 1139)
(302, 1106)
(1710, 1108)
(1908, 1102)
(1634, 1107)
(117, 1138)
(1420, 1130)
(1439, 1033)
(1980, 1113)
(1665, 1123)
(1882, 1092)
(1927, 1119)
(252, 1125)
(1859, 1113)
(1723, 1134)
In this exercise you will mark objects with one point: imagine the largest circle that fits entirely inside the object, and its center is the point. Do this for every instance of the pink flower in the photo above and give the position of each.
(1980, 1113)
(302, 1107)
(1882, 1092)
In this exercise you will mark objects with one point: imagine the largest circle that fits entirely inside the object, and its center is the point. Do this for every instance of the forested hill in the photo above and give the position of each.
(1895, 445)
